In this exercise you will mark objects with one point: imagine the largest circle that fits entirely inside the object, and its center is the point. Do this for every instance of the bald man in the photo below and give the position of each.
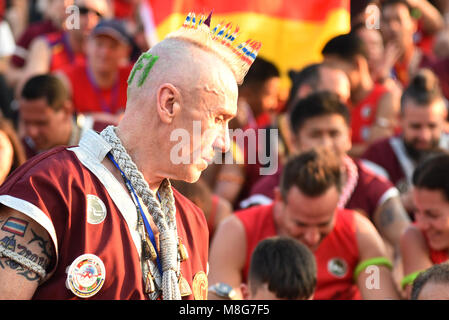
(101, 220)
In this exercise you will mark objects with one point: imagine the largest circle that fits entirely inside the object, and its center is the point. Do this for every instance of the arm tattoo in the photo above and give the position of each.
(387, 216)
(18, 227)
(44, 245)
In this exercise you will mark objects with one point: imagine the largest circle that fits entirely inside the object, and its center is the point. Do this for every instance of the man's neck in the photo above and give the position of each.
(104, 79)
(77, 45)
(144, 162)
(365, 88)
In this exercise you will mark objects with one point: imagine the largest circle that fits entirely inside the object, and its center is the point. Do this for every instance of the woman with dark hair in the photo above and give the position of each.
(12, 153)
(426, 242)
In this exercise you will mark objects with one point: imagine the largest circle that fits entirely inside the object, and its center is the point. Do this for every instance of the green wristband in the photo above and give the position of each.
(408, 279)
(378, 261)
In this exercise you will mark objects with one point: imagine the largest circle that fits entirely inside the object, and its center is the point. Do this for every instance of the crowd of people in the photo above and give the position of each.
(357, 206)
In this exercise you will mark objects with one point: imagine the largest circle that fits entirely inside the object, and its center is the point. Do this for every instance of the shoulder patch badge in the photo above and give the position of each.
(86, 275)
(96, 210)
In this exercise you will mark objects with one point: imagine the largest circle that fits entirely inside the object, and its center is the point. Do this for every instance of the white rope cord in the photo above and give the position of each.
(164, 217)
(24, 262)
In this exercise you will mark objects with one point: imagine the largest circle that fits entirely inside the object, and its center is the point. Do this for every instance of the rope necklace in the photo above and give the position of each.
(163, 215)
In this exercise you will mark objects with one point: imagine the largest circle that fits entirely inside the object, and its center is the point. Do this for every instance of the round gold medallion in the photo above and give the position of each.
(199, 286)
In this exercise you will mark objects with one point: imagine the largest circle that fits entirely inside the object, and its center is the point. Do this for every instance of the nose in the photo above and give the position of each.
(31, 130)
(425, 134)
(312, 237)
(326, 141)
(222, 142)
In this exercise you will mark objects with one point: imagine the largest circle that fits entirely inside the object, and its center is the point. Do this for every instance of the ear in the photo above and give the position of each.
(245, 291)
(294, 142)
(67, 108)
(414, 24)
(278, 195)
(349, 138)
(303, 91)
(361, 63)
(168, 102)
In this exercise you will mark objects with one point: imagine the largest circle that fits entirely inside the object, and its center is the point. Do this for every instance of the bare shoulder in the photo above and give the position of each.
(369, 241)
(363, 224)
(224, 210)
(413, 238)
(230, 229)
(412, 233)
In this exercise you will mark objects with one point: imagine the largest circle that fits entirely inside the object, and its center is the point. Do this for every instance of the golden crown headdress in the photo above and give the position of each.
(221, 40)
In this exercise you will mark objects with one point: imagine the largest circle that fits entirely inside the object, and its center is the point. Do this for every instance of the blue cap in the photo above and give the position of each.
(113, 28)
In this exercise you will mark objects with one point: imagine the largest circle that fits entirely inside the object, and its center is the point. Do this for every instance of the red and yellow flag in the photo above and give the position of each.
(292, 32)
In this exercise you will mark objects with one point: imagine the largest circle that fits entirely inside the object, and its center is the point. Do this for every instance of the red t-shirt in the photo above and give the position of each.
(336, 257)
(55, 189)
(369, 191)
(88, 98)
(363, 115)
(436, 256)
(62, 54)
(382, 154)
(441, 69)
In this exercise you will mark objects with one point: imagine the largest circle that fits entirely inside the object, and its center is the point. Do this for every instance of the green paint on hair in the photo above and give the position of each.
(146, 66)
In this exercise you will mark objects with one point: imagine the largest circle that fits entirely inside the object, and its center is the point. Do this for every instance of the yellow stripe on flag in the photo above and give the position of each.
(290, 44)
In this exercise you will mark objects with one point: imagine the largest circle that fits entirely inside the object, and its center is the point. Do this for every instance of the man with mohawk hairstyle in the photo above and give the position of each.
(101, 220)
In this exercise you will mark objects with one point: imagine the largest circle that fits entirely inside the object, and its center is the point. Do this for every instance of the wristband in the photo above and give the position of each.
(379, 261)
(408, 279)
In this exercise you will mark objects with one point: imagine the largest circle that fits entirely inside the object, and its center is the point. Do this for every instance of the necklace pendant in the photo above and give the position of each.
(148, 251)
(149, 284)
(182, 251)
(184, 287)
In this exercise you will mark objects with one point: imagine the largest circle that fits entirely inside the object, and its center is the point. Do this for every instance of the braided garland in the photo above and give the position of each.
(165, 221)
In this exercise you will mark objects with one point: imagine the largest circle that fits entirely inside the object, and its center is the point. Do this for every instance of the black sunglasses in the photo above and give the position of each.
(85, 10)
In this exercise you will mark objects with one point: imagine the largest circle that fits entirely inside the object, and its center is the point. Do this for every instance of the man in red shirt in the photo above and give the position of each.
(344, 242)
(99, 85)
(422, 119)
(46, 116)
(101, 220)
(373, 106)
(322, 120)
